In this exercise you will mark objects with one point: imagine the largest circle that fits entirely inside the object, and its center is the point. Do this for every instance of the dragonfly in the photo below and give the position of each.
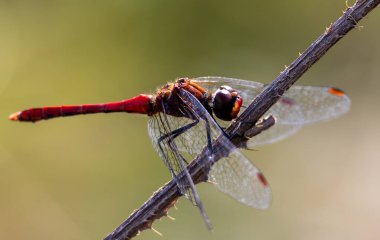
(186, 116)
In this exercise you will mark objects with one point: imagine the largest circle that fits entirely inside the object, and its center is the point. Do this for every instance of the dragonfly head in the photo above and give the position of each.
(226, 103)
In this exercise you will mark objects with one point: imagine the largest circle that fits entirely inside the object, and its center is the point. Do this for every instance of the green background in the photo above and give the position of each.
(78, 178)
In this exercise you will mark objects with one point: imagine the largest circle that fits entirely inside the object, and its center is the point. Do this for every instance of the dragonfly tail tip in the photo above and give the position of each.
(14, 116)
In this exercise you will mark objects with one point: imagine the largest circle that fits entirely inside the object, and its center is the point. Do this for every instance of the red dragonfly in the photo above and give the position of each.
(188, 115)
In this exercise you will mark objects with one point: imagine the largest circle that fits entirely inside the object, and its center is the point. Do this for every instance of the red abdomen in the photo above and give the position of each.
(140, 104)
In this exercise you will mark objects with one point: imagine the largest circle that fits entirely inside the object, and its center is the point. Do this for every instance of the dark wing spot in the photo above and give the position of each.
(337, 92)
(287, 101)
(262, 179)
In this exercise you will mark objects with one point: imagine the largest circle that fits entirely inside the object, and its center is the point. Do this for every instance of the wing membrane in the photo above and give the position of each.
(236, 176)
(301, 105)
(233, 174)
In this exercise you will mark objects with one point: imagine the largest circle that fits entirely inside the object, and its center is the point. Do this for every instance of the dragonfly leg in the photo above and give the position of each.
(197, 198)
(209, 138)
(183, 164)
(173, 134)
(173, 159)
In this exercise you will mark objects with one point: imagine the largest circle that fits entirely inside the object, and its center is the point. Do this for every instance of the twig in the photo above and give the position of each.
(159, 204)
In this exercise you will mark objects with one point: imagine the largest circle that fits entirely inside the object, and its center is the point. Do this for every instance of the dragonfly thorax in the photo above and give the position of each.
(169, 98)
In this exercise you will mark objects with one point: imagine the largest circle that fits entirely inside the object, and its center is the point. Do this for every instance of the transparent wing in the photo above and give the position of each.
(247, 89)
(301, 105)
(190, 143)
(307, 104)
(167, 133)
(274, 134)
(170, 148)
(239, 178)
(233, 174)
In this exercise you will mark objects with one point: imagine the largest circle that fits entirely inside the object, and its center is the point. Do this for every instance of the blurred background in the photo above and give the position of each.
(80, 177)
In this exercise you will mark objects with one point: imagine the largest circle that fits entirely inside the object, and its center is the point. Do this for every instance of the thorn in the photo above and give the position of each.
(347, 6)
(329, 29)
(299, 54)
(357, 26)
(170, 217)
(157, 232)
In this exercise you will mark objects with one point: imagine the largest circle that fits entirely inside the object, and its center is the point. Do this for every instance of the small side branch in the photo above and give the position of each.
(158, 205)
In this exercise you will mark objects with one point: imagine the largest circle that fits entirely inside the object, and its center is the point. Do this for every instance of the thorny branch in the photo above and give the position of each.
(162, 200)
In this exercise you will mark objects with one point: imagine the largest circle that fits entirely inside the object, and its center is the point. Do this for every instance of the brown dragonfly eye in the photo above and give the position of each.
(226, 103)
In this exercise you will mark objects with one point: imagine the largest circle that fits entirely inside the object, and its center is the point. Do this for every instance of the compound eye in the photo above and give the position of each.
(226, 103)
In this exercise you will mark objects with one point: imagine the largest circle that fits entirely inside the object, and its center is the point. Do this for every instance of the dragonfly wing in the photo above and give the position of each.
(190, 143)
(274, 134)
(248, 90)
(170, 148)
(301, 105)
(314, 103)
(239, 178)
(233, 174)
(166, 135)
(158, 126)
